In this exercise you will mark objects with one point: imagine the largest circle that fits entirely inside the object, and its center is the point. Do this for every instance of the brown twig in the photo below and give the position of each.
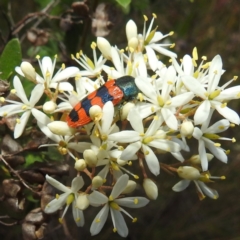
(18, 176)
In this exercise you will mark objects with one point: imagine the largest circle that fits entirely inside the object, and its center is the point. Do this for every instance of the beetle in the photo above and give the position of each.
(116, 91)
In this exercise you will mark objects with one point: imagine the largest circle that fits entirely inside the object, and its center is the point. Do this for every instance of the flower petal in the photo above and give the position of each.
(180, 186)
(99, 220)
(19, 127)
(229, 114)
(124, 136)
(56, 203)
(151, 160)
(77, 184)
(96, 199)
(20, 91)
(135, 120)
(119, 186)
(58, 185)
(77, 215)
(130, 150)
(119, 222)
(65, 74)
(132, 202)
(202, 112)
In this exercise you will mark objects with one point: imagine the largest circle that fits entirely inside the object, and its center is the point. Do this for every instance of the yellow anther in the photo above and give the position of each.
(55, 56)
(114, 230)
(235, 78)
(227, 152)
(121, 51)
(215, 72)
(70, 199)
(57, 196)
(2, 99)
(160, 101)
(13, 91)
(169, 82)
(156, 118)
(77, 219)
(217, 144)
(232, 125)
(136, 176)
(114, 206)
(129, 163)
(233, 140)
(97, 220)
(18, 120)
(172, 45)
(63, 66)
(223, 105)
(110, 198)
(134, 220)
(148, 140)
(204, 58)
(145, 18)
(154, 15)
(171, 33)
(168, 102)
(24, 107)
(222, 177)
(60, 220)
(93, 45)
(5, 114)
(152, 109)
(77, 55)
(205, 66)
(141, 134)
(195, 53)
(221, 127)
(120, 148)
(214, 94)
(37, 57)
(72, 57)
(135, 201)
(147, 152)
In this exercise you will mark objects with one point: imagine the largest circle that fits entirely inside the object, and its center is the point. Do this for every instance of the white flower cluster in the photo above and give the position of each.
(174, 105)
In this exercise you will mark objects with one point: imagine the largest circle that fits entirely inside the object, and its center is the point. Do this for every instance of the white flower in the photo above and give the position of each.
(140, 139)
(25, 107)
(68, 196)
(192, 174)
(48, 79)
(91, 68)
(113, 203)
(63, 143)
(149, 40)
(163, 103)
(204, 135)
(213, 96)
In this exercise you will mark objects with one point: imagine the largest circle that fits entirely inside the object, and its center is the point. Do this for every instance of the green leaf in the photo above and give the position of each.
(32, 158)
(124, 3)
(10, 58)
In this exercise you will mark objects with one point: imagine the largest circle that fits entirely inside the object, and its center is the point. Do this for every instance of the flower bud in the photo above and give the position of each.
(49, 107)
(95, 112)
(97, 182)
(131, 30)
(131, 185)
(28, 71)
(150, 188)
(90, 157)
(195, 159)
(61, 128)
(80, 165)
(189, 173)
(104, 47)
(82, 201)
(133, 43)
(126, 109)
(187, 129)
